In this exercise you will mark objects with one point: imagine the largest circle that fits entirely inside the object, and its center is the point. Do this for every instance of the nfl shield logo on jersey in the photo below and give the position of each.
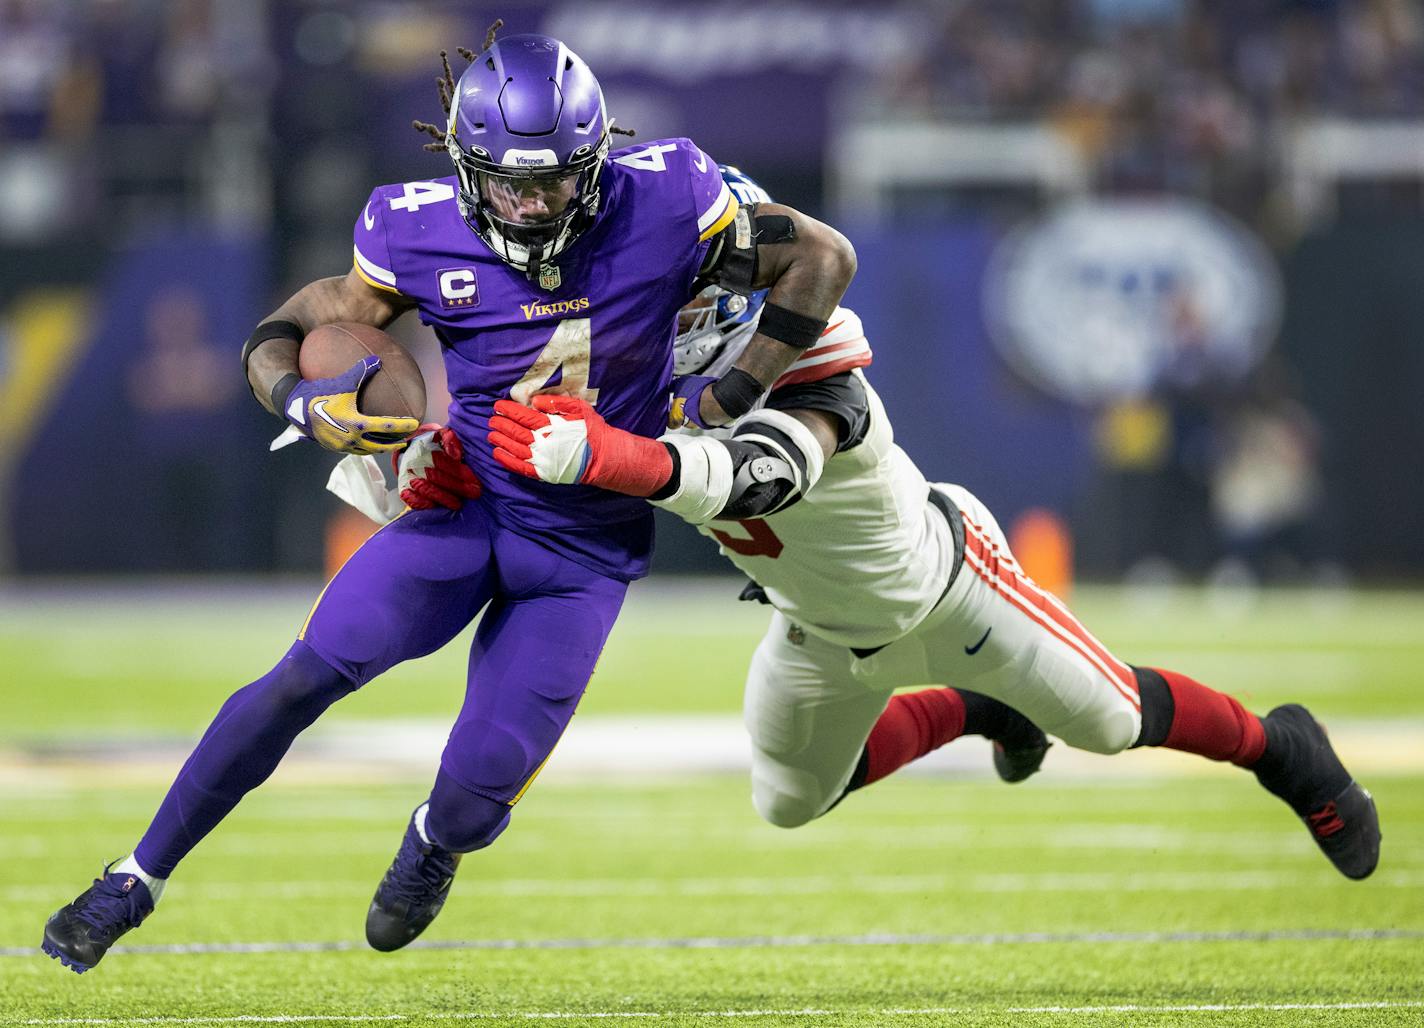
(795, 635)
(549, 277)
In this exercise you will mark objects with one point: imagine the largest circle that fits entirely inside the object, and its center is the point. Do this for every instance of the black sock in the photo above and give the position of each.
(995, 720)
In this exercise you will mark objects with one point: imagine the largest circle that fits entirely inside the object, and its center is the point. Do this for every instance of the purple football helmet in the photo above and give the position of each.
(528, 133)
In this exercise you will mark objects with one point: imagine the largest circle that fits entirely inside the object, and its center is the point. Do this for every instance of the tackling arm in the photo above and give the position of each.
(807, 266)
(773, 458)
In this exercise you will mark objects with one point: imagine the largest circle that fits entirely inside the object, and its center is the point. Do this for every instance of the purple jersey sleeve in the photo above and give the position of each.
(711, 205)
(372, 256)
(713, 202)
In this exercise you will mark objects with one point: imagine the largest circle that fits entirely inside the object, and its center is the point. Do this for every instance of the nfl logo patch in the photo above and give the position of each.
(795, 635)
(549, 277)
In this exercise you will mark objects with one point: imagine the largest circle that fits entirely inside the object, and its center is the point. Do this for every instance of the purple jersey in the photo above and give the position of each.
(603, 331)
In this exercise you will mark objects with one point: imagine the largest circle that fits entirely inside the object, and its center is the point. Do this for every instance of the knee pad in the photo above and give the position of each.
(1109, 732)
(788, 798)
(463, 821)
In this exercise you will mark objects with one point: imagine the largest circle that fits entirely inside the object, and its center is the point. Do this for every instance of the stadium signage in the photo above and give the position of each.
(1108, 300)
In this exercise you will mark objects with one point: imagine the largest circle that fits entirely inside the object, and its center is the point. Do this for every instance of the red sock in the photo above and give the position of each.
(1211, 723)
(913, 724)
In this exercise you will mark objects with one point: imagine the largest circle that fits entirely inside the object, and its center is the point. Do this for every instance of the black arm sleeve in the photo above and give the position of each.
(731, 260)
(842, 395)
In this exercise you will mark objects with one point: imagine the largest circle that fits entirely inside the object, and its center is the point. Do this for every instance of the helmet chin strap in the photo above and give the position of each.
(534, 260)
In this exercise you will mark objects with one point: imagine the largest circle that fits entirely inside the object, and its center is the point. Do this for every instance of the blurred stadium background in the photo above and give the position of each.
(1143, 274)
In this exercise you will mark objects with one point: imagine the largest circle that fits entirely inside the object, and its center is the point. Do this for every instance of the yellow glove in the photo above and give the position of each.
(324, 410)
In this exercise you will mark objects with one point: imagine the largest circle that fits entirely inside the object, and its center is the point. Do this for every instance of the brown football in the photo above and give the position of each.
(396, 390)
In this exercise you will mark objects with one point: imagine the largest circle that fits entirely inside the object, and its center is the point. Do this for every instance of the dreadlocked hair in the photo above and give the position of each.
(434, 132)
(489, 35)
(445, 83)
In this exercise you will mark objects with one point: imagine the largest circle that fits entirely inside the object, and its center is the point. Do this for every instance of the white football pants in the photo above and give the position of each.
(810, 703)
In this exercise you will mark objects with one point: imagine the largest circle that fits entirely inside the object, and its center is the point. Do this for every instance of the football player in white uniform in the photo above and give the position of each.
(881, 580)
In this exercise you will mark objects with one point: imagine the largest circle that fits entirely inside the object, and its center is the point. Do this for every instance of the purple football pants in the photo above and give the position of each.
(405, 593)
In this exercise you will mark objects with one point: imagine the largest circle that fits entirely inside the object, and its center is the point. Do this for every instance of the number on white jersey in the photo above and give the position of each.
(567, 348)
(418, 194)
(760, 540)
(648, 159)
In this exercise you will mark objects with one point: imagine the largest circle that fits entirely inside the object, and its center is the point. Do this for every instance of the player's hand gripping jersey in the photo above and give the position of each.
(598, 326)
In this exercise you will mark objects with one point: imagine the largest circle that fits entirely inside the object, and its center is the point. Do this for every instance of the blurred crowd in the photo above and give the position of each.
(112, 109)
(1175, 95)
(1179, 95)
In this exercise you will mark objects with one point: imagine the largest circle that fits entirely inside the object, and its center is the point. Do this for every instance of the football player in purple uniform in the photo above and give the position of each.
(545, 264)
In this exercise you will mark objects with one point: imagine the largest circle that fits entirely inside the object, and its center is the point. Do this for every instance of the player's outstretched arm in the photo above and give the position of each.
(323, 410)
(769, 462)
(807, 266)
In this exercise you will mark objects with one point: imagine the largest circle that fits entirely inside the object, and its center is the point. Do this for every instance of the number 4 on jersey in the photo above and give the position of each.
(648, 159)
(568, 348)
(418, 194)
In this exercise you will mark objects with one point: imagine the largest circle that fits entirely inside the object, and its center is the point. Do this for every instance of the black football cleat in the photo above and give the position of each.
(1014, 761)
(1300, 766)
(1019, 744)
(78, 934)
(411, 893)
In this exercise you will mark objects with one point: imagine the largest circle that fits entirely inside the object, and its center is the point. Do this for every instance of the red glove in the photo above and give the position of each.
(563, 439)
(431, 471)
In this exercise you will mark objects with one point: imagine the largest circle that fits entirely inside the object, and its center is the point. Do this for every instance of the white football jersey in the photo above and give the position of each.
(863, 557)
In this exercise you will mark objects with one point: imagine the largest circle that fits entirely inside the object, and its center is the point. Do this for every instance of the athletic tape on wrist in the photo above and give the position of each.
(704, 478)
(786, 326)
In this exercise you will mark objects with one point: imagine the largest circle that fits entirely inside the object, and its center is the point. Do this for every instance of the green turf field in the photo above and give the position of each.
(125, 662)
(1075, 900)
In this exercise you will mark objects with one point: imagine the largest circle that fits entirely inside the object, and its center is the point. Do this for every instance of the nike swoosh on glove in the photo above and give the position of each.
(325, 411)
(431, 471)
(564, 440)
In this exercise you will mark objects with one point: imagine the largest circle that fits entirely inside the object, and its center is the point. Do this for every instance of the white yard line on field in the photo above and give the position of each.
(959, 883)
(781, 941)
(656, 1015)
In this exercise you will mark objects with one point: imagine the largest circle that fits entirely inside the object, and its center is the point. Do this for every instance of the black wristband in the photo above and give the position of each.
(263, 332)
(737, 391)
(786, 326)
(282, 390)
(270, 330)
(674, 481)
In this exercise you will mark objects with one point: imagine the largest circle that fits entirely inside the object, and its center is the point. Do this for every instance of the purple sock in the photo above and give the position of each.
(240, 749)
(463, 821)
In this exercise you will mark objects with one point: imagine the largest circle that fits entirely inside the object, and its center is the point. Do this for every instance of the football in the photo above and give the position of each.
(397, 389)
